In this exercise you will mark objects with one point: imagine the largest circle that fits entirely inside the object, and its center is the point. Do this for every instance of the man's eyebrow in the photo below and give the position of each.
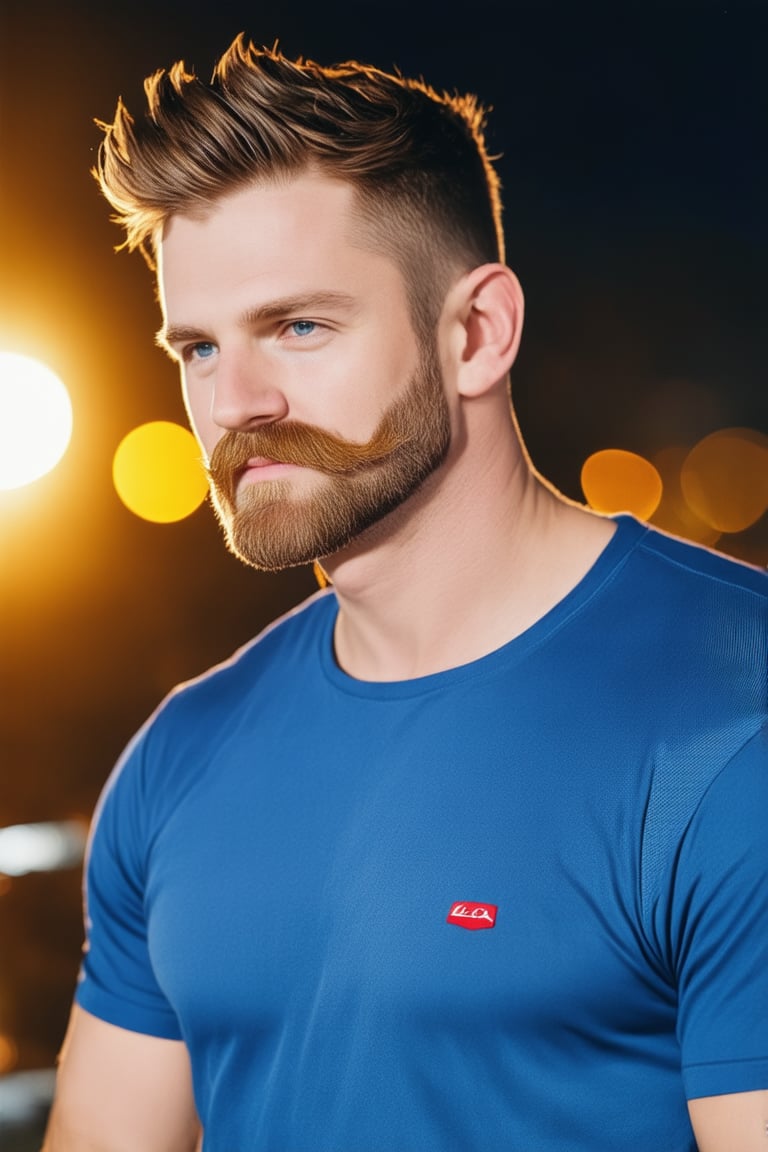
(274, 309)
(291, 305)
(165, 338)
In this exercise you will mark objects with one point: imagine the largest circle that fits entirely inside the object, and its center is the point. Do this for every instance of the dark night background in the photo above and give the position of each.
(632, 143)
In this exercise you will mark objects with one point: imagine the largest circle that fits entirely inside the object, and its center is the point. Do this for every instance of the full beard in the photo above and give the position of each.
(269, 529)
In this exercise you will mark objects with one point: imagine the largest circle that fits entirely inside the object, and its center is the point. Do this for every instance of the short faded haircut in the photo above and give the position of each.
(427, 193)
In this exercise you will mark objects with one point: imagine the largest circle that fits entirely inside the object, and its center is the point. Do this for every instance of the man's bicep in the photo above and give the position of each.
(724, 1123)
(118, 1091)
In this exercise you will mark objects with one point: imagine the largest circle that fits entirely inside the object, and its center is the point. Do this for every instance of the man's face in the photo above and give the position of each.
(317, 410)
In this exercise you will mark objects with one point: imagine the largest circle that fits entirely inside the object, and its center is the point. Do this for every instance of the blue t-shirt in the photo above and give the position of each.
(290, 868)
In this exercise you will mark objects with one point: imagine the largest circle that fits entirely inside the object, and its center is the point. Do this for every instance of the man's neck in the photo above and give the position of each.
(468, 564)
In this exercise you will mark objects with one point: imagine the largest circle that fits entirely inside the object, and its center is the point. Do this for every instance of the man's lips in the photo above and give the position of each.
(260, 462)
(260, 468)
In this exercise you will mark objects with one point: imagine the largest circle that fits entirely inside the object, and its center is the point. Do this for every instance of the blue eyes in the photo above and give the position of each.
(204, 350)
(303, 327)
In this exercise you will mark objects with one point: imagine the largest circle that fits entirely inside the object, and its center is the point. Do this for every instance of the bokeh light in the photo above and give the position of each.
(674, 514)
(41, 847)
(158, 472)
(8, 1053)
(35, 420)
(724, 479)
(614, 480)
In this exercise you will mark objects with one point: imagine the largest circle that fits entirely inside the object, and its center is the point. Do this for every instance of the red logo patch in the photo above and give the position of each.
(472, 916)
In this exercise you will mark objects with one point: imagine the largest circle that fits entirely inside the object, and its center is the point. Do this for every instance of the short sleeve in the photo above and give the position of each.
(117, 982)
(719, 917)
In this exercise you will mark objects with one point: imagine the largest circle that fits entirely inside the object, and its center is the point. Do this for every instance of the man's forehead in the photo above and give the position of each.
(301, 237)
(289, 195)
(274, 227)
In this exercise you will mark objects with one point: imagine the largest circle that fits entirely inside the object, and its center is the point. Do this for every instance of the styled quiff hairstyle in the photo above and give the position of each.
(427, 194)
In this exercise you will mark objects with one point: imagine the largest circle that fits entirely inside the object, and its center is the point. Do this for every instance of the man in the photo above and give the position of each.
(469, 851)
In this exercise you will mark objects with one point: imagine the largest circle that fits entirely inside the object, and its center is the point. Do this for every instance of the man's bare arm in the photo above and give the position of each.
(728, 1123)
(119, 1091)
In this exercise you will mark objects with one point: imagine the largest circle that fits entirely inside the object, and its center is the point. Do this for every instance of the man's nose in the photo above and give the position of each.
(245, 392)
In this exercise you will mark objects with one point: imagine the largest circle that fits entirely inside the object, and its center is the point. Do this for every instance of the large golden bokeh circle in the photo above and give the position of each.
(674, 514)
(158, 472)
(615, 480)
(724, 478)
(35, 420)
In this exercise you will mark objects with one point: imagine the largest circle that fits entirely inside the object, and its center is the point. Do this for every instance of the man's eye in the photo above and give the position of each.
(302, 327)
(200, 351)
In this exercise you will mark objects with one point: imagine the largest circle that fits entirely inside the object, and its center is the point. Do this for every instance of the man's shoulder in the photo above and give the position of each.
(683, 627)
(667, 582)
(287, 647)
(179, 742)
(697, 565)
(693, 626)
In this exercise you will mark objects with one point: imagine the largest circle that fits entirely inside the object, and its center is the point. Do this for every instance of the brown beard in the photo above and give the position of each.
(269, 529)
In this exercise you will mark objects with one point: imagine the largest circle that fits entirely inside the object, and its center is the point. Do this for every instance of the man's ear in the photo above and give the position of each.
(484, 317)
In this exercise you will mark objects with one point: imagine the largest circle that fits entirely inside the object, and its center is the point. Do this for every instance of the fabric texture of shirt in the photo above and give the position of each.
(274, 859)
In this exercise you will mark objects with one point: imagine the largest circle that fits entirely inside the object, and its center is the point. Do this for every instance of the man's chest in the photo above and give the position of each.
(295, 885)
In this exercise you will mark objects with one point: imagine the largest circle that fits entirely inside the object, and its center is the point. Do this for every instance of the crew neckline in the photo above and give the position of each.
(629, 532)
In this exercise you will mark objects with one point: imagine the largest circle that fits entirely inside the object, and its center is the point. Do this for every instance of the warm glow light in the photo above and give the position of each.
(614, 480)
(724, 479)
(35, 420)
(8, 1053)
(673, 513)
(41, 847)
(158, 472)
